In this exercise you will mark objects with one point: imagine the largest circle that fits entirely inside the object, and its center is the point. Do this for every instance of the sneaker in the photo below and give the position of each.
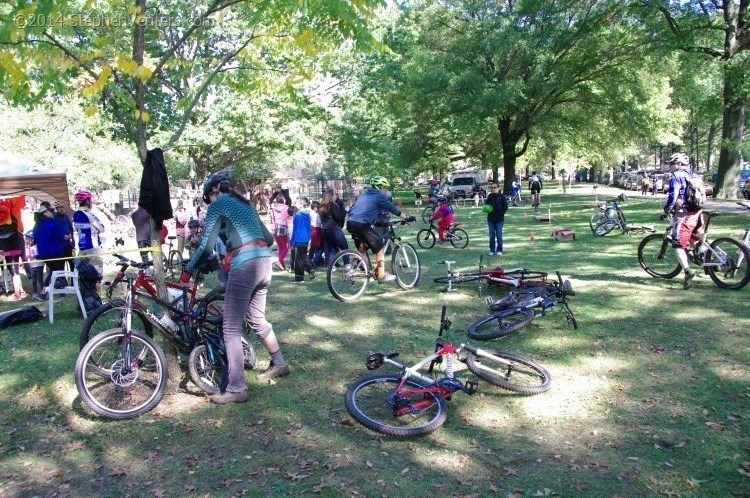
(311, 274)
(274, 371)
(386, 278)
(298, 281)
(500, 253)
(491, 253)
(278, 266)
(224, 398)
(689, 276)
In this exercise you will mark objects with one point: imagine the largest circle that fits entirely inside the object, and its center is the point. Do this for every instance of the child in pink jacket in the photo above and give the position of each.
(280, 219)
(444, 215)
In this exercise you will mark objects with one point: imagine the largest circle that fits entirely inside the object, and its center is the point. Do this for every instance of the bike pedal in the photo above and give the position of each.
(470, 386)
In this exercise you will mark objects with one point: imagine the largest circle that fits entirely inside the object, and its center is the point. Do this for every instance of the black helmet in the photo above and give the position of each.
(193, 224)
(221, 178)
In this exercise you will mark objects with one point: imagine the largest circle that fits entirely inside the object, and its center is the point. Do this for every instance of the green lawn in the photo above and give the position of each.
(651, 395)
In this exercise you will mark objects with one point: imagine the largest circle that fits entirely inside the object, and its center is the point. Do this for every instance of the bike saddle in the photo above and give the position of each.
(567, 288)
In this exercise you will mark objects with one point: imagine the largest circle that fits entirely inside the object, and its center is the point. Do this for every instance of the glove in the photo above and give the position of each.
(411, 219)
(185, 277)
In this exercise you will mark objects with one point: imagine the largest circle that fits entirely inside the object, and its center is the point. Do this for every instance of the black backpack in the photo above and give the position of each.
(27, 314)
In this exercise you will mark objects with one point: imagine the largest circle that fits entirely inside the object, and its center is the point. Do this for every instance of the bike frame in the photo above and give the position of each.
(702, 242)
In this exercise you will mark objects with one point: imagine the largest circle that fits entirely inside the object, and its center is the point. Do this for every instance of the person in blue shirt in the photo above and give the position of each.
(49, 242)
(301, 233)
(89, 230)
(232, 218)
(365, 212)
(66, 225)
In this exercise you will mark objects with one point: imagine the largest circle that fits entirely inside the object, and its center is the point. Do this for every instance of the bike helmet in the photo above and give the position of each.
(623, 197)
(84, 195)
(379, 181)
(193, 224)
(679, 158)
(222, 179)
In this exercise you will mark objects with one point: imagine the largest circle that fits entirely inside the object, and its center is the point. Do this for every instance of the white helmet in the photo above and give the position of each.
(679, 158)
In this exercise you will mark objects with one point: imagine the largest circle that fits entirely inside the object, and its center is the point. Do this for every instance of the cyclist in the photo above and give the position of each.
(686, 218)
(235, 221)
(535, 187)
(444, 216)
(516, 191)
(365, 212)
(89, 230)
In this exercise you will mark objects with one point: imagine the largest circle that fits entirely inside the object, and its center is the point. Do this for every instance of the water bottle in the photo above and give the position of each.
(168, 323)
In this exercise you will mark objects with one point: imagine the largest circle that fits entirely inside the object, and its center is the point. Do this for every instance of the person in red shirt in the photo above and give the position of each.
(445, 217)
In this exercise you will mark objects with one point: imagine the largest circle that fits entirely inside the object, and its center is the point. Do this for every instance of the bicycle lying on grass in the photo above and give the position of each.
(513, 277)
(351, 270)
(725, 260)
(518, 309)
(122, 372)
(411, 403)
(456, 236)
(611, 216)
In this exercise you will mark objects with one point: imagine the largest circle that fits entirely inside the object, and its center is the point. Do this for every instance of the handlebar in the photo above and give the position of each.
(125, 262)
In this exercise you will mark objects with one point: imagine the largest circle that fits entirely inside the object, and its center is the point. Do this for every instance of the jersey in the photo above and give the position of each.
(88, 227)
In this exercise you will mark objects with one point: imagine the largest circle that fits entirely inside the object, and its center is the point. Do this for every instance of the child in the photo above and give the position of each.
(194, 237)
(316, 237)
(36, 267)
(444, 215)
(301, 231)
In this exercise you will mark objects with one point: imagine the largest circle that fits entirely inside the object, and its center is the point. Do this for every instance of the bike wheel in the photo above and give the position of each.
(500, 324)
(175, 264)
(374, 402)
(347, 281)
(215, 309)
(459, 239)
(109, 316)
(526, 275)
(515, 373)
(425, 238)
(458, 278)
(427, 214)
(657, 257)
(733, 258)
(405, 265)
(203, 372)
(596, 218)
(604, 227)
(127, 391)
(515, 297)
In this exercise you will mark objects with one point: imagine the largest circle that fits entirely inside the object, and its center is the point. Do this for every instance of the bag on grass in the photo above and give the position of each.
(27, 314)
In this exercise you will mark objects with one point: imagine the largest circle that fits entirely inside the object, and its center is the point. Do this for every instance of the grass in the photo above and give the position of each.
(650, 395)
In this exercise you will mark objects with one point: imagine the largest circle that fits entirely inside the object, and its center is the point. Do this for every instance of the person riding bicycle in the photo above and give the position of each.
(235, 221)
(444, 216)
(515, 190)
(686, 218)
(365, 212)
(535, 187)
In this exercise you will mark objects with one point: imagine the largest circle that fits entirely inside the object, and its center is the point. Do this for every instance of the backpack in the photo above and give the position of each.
(695, 193)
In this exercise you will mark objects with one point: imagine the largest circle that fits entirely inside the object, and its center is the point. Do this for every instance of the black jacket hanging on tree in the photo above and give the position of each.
(154, 192)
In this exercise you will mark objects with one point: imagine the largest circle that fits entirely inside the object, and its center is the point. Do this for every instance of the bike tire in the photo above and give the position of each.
(459, 278)
(500, 324)
(526, 275)
(405, 265)
(109, 316)
(175, 264)
(215, 307)
(460, 238)
(734, 273)
(121, 394)
(604, 227)
(204, 374)
(367, 400)
(657, 257)
(522, 376)
(347, 281)
(515, 297)
(596, 218)
(426, 238)
(427, 214)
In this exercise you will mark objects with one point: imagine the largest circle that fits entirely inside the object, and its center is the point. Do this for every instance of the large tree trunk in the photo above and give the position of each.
(733, 131)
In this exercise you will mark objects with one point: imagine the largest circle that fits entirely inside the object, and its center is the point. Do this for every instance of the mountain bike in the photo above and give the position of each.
(412, 403)
(351, 270)
(519, 309)
(612, 217)
(173, 260)
(456, 236)
(121, 372)
(725, 260)
(512, 277)
(516, 199)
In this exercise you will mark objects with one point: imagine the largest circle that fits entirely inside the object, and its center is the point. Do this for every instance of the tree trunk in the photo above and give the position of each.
(733, 130)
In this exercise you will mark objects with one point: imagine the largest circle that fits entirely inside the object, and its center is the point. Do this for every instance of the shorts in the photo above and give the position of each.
(364, 232)
(685, 225)
(92, 255)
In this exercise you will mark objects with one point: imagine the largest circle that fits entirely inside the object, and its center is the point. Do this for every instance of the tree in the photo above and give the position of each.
(719, 30)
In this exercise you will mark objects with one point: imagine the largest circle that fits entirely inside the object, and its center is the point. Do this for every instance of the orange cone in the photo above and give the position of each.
(533, 237)
(524, 215)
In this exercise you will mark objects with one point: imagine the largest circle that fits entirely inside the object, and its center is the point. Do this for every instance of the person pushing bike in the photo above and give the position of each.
(686, 217)
(365, 212)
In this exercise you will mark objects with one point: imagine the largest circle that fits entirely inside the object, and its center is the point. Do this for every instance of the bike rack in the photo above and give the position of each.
(450, 287)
